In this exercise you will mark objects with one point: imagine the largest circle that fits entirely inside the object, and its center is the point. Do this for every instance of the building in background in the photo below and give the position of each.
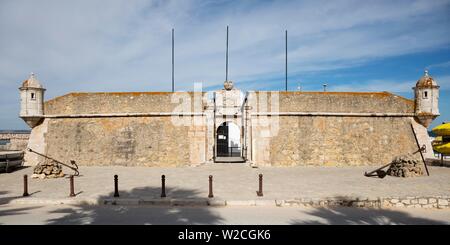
(14, 140)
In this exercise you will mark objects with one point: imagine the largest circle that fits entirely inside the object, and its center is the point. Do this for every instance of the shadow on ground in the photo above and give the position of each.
(12, 211)
(112, 214)
(4, 198)
(362, 216)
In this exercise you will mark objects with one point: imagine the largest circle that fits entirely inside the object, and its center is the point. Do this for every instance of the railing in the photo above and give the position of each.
(233, 151)
(236, 153)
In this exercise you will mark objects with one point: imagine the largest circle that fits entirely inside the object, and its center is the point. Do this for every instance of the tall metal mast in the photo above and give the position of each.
(226, 61)
(173, 61)
(286, 64)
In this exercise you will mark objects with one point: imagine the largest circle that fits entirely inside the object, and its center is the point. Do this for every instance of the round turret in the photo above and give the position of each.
(32, 101)
(426, 97)
(426, 81)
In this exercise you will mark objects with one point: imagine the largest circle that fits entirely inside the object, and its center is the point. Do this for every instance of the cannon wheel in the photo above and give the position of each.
(381, 174)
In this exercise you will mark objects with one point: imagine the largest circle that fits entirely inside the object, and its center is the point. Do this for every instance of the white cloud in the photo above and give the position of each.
(125, 45)
(439, 65)
(388, 85)
(375, 86)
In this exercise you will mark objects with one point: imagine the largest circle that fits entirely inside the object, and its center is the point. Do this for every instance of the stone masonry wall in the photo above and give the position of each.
(335, 141)
(120, 102)
(349, 102)
(286, 140)
(124, 141)
(289, 140)
(441, 202)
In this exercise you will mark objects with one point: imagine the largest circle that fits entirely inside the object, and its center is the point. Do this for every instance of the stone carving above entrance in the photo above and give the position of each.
(228, 102)
(228, 85)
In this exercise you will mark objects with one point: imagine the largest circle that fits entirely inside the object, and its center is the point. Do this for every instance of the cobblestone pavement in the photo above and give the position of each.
(231, 182)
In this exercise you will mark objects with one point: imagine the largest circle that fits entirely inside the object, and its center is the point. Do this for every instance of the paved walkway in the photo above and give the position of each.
(138, 215)
(231, 182)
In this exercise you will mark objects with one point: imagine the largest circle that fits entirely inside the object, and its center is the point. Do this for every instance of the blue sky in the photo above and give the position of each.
(125, 46)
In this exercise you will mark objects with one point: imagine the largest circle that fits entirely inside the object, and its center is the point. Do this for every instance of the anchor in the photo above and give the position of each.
(380, 173)
(73, 166)
(377, 172)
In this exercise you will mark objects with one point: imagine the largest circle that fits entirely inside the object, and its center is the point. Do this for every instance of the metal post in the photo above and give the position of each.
(116, 186)
(286, 71)
(226, 61)
(163, 185)
(25, 186)
(210, 195)
(72, 191)
(7, 164)
(260, 191)
(173, 60)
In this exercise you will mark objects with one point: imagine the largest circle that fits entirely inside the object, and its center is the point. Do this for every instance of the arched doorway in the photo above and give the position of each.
(228, 141)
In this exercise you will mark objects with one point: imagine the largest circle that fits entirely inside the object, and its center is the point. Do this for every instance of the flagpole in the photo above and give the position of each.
(286, 64)
(226, 61)
(173, 60)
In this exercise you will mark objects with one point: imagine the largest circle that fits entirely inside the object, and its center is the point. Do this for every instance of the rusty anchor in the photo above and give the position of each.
(73, 165)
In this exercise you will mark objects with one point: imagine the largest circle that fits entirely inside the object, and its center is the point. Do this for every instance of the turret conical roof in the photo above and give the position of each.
(426, 81)
(31, 82)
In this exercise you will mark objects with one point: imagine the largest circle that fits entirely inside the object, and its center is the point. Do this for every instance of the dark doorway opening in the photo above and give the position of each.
(228, 140)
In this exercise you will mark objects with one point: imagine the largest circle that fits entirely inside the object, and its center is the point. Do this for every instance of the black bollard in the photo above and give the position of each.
(210, 195)
(25, 186)
(72, 189)
(260, 191)
(116, 186)
(163, 185)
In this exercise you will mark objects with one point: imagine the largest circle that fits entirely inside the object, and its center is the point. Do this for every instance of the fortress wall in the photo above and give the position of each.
(348, 102)
(37, 142)
(334, 141)
(424, 139)
(121, 102)
(125, 141)
(281, 141)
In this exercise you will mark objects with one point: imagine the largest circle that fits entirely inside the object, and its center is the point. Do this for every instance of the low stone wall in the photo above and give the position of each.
(399, 202)
(408, 202)
(418, 202)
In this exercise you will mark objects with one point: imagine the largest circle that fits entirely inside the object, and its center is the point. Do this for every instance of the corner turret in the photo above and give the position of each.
(32, 101)
(426, 98)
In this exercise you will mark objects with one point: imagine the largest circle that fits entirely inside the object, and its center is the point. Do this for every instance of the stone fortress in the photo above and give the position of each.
(267, 128)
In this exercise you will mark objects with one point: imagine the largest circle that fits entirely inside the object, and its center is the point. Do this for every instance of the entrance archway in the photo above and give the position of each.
(228, 140)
